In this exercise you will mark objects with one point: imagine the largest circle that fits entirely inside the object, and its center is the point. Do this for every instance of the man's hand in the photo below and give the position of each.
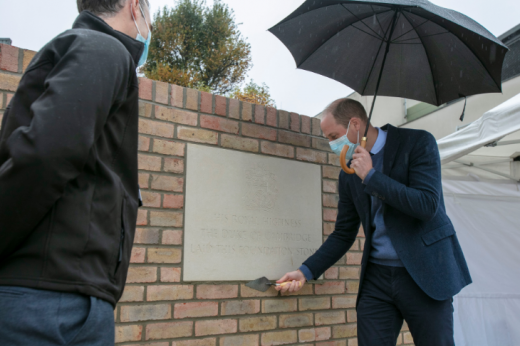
(361, 162)
(296, 281)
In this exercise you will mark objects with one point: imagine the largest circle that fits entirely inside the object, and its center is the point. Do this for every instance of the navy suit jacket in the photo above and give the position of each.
(414, 215)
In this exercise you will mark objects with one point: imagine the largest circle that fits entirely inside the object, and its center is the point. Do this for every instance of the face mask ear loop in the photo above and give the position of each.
(142, 13)
(135, 22)
(357, 137)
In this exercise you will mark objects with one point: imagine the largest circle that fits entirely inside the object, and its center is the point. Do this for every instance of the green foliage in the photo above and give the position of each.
(254, 93)
(197, 46)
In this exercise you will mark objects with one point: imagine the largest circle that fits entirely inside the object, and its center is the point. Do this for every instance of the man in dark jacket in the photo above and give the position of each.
(412, 262)
(68, 180)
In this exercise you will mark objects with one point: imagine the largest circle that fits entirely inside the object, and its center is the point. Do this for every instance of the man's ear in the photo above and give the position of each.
(134, 9)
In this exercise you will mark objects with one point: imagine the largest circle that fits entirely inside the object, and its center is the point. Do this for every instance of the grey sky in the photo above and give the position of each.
(31, 23)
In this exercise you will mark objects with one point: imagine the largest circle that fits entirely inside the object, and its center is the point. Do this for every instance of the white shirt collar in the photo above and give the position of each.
(380, 141)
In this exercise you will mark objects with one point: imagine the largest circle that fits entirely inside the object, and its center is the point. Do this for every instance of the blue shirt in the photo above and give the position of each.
(382, 251)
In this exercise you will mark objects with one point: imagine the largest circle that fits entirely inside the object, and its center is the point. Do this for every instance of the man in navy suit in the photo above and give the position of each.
(412, 263)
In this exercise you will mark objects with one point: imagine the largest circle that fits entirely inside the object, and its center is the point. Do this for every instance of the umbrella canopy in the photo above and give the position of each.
(402, 48)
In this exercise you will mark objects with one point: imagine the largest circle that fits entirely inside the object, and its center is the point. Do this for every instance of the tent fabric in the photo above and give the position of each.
(492, 126)
(487, 312)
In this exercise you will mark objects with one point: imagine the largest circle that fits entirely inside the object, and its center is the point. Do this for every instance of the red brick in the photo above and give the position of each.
(283, 119)
(332, 273)
(331, 287)
(164, 255)
(176, 116)
(330, 201)
(321, 144)
(219, 124)
(196, 342)
(330, 215)
(9, 82)
(172, 165)
(170, 330)
(234, 108)
(271, 119)
(240, 307)
(141, 275)
(170, 274)
(142, 217)
(247, 292)
(137, 313)
(177, 96)
(311, 155)
(247, 111)
(277, 149)
(352, 286)
(239, 143)
(306, 290)
(197, 135)
(314, 334)
(279, 305)
(255, 324)
(316, 129)
(128, 333)
(161, 92)
(329, 317)
(144, 179)
(407, 337)
(348, 273)
(215, 327)
(330, 186)
(354, 258)
(306, 124)
(315, 303)
(172, 237)
(143, 144)
(240, 340)
(145, 109)
(192, 99)
(334, 160)
(151, 199)
(221, 105)
(168, 147)
(361, 233)
(145, 89)
(173, 201)
(355, 246)
(259, 114)
(138, 255)
(334, 343)
(206, 102)
(295, 320)
(155, 128)
(328, 228)
(172, 292)
(331, 172)
(279, 338)
(132, 294)
(217, 291)
(149, 163)
(256, 131)
(9, 58)
(166, 219)
(351, 316)
(28, 56)
(167, 183)
(194, 310)
(294, 122)
(343, 302)
(146, 236)
(294, 139)
(344, 331)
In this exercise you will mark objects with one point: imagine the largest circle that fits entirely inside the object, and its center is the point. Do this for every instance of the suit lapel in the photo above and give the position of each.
(393, 141)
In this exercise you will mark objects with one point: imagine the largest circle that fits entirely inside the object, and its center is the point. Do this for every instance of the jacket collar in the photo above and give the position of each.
(393, 142)
(87, 20)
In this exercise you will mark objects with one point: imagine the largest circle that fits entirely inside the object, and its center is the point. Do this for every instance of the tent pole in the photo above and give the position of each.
(394, 22)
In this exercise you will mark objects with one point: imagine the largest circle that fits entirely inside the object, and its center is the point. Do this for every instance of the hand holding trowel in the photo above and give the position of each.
(288, 282)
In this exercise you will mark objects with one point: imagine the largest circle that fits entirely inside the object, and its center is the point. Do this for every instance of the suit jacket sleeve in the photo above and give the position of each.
(87, 79)
(344, 235)
(421, 197)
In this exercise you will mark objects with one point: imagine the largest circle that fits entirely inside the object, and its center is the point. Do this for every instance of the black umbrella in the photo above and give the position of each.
(403, 48)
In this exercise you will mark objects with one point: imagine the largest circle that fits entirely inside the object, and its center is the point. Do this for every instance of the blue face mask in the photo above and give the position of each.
(140, 38)
(338, 144)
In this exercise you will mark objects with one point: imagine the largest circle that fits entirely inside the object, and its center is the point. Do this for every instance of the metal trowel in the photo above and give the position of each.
(263, 284)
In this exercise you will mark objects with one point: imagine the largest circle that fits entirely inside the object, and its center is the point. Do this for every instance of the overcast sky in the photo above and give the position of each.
(31, 23)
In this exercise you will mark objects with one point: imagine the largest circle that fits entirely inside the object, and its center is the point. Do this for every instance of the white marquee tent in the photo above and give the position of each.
(485, 212)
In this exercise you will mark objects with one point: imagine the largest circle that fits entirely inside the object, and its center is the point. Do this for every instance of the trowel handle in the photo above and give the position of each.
(343, 159)
(288, 282)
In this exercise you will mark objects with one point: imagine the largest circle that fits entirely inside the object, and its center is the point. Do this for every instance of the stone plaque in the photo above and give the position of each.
(248, 216)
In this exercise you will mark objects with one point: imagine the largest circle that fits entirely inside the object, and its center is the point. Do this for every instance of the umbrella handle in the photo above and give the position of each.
(343, 158)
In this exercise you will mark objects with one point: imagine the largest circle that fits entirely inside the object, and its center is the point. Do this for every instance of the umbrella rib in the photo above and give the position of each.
(413, 29)
(369, 34)
(378, 22)
(359, 20)
(415, 38)
(427, 57)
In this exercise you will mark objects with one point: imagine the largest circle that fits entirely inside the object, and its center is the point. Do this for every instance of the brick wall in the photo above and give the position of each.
(157, 308)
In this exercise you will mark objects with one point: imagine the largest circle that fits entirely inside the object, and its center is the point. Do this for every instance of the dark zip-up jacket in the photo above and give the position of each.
(68, 165)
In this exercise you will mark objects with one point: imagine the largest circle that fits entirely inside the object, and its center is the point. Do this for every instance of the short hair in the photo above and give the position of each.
(345, 109)
(103, 7)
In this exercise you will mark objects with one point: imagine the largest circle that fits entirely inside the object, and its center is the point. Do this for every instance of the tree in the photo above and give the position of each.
(254, 93)
(197, 46)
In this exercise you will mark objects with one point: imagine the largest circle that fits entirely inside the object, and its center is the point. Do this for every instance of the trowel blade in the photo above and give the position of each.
(261, 284)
